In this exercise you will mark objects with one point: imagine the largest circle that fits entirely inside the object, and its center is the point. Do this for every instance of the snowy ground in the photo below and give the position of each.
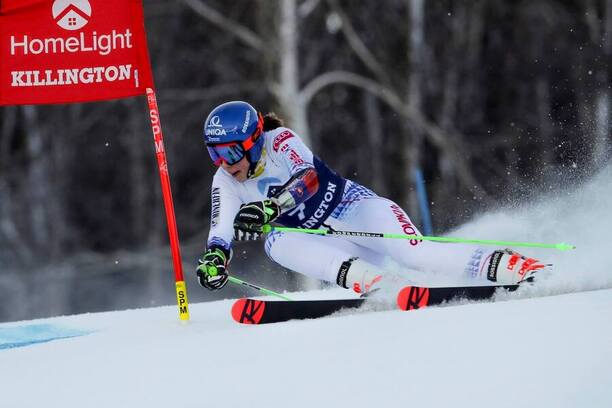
(546, 352)
(549, 346)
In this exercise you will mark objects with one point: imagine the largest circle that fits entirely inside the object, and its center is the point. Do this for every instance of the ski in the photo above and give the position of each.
(251, 311)
(417, 297)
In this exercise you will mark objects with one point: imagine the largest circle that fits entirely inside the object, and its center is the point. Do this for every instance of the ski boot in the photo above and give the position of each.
(507, 267)
(360, 276)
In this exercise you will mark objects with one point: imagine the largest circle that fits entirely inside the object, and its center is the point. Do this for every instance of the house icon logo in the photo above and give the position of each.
(71, 14)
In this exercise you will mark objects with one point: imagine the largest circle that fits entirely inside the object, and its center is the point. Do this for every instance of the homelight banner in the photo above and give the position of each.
(67, 51)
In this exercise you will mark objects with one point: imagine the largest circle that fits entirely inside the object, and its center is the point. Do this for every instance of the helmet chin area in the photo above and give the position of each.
(257, 167)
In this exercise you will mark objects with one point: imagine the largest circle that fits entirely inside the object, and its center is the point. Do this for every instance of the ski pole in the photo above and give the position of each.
(259, 288)
(561, 246)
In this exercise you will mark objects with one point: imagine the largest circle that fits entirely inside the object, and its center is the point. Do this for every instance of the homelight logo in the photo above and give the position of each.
(71, 14)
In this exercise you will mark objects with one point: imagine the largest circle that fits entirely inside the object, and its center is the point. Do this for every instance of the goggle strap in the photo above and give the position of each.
(247, 144)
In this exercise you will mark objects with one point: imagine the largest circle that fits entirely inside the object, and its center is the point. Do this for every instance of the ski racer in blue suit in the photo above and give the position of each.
(266, 174)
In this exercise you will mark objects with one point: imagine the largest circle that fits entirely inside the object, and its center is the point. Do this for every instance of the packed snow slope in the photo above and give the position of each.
(546, 346)
(538, 352)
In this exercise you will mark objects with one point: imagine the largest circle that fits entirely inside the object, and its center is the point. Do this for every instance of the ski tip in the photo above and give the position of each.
(412, 297)
(248, 311)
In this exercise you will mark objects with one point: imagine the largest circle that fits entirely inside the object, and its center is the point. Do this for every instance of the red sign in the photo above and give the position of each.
(61, 51)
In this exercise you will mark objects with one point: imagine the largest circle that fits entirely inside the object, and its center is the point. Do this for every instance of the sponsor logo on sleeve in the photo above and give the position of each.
(295, 158)
(216, 207)
(292, 155)
(280, 138)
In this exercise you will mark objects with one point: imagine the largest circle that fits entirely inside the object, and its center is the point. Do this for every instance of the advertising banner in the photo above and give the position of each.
(64, 51)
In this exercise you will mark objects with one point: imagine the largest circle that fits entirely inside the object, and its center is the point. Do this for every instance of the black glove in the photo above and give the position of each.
(212, 266)
(249, 222)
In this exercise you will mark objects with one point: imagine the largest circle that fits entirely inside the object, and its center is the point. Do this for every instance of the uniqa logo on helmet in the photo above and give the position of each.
(214, 127)
(215, 121)
(215, 132)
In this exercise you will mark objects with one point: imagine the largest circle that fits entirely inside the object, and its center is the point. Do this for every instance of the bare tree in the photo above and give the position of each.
(407, 107)
(601, 32)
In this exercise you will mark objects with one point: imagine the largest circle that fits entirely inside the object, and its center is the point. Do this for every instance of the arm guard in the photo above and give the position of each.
(300, 187)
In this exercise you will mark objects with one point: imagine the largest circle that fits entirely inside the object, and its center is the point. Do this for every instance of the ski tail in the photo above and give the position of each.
(417, 297)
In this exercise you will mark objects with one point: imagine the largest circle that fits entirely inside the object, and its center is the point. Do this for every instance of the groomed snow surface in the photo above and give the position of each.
(539, 352)
(548, 346)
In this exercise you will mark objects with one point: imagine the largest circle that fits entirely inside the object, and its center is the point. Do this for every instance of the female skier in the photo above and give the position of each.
(267, 174)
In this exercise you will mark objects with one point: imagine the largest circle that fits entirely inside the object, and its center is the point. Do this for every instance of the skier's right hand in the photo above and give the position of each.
(211, 270)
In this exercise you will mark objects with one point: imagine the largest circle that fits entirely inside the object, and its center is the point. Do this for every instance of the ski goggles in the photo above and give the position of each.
(232, 152)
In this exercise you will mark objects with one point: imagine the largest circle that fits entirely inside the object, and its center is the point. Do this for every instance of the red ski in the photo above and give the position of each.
(252, 311)
(416, 297)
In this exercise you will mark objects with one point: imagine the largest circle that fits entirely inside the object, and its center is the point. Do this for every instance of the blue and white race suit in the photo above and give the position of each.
(340, 204)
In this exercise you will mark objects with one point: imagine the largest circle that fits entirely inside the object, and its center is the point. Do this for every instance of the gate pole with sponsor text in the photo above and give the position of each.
(160, 151)
(70, 51)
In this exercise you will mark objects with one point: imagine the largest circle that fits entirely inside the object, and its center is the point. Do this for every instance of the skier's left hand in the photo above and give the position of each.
(212, 268)
(249, 222)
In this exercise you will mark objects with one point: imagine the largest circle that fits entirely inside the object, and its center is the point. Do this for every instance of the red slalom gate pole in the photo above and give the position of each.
(181, 289)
